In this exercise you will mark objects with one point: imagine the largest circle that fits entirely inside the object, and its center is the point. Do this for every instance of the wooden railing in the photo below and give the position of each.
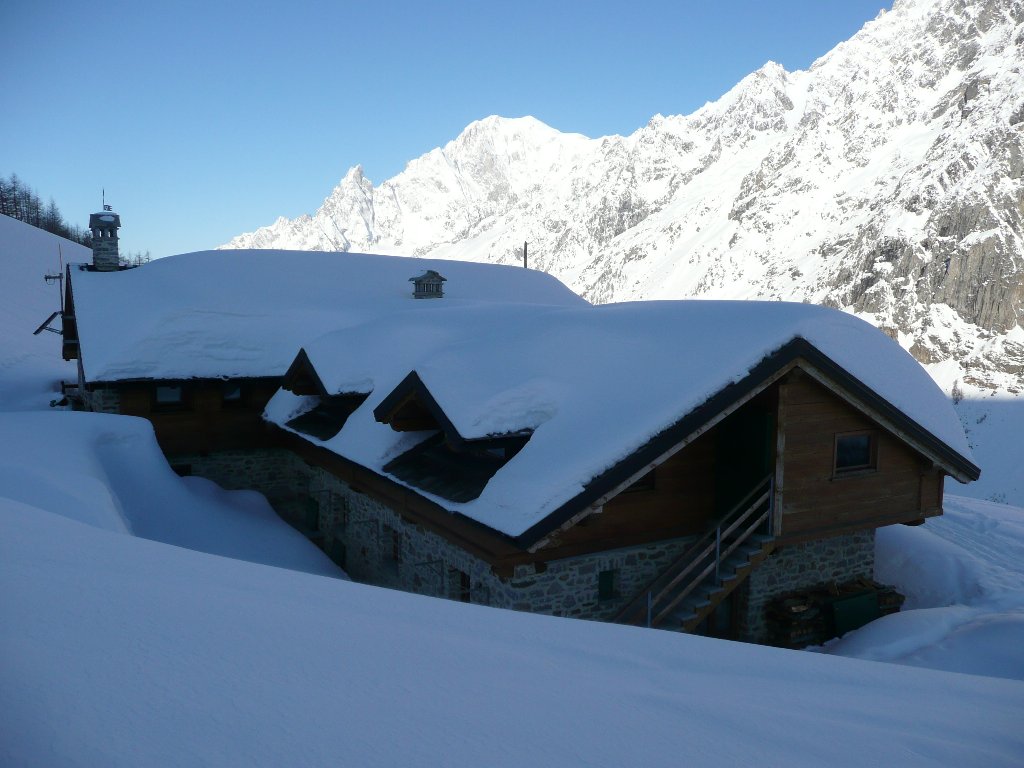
(659, 598)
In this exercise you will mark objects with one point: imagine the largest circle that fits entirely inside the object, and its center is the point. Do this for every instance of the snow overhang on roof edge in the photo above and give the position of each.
(799, 348)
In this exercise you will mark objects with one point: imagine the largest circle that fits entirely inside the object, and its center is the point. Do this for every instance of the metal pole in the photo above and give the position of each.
(718, 549)
(524, 253)
(650, 607)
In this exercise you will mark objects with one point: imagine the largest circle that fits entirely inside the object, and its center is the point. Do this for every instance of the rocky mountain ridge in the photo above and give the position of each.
(887, 180)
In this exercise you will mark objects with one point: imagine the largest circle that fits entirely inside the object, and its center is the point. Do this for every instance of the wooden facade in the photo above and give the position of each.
(213, 415)
(902, 487)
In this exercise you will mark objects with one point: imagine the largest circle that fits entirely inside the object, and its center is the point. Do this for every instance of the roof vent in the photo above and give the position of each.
(428, 285)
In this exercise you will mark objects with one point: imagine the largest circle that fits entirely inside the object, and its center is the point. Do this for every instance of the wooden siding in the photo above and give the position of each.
(691, 488)
(204, 422)
(680, 504)
(903, 486)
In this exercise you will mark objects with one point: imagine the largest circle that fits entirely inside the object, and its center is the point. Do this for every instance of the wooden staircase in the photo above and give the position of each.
(718, 562)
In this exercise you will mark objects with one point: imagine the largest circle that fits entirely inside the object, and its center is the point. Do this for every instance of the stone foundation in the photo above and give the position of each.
(801, 566)
(376, 546)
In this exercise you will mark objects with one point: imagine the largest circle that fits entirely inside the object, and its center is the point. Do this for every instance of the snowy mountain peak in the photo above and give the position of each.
(886, 179)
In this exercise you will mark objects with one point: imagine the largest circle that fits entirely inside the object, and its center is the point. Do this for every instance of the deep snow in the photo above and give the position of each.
(245, 313)
(118, 650)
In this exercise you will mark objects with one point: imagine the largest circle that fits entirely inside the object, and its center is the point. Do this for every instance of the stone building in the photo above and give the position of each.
(671, 464)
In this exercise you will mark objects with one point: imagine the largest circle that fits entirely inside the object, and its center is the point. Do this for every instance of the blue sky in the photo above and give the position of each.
(206, 119)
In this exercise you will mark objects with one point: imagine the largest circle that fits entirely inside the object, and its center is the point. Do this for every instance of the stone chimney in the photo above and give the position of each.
(104, 226)
(428, 285)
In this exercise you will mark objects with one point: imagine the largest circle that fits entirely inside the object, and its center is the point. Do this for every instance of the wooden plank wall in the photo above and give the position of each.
(904, 487)
(680, 504)
(204, 423)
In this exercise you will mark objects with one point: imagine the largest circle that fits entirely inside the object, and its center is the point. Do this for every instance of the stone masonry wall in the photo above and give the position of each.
(101, 400)
(278, 474)
(376, 546)
(801, 566)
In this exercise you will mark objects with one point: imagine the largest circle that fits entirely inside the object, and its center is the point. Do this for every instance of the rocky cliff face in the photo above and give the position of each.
(887, 180)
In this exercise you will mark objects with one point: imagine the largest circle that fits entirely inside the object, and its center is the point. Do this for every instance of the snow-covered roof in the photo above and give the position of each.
(245, 313)
(593, 383)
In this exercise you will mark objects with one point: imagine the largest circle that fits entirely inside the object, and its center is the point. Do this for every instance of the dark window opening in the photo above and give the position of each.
(338, 553)
(328, 417)
(412, 416)
(392, 544)
(231, 393)
(457, 475)
(169, 397)
(607, 585)
(461, 590)
(855, 452)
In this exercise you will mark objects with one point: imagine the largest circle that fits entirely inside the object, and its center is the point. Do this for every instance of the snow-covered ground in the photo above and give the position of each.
(133, 632)
(107, 471)
(963, 576)
(120, 651)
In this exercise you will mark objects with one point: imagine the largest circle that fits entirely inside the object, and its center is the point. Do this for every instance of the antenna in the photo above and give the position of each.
(59, 279)
(104, 191)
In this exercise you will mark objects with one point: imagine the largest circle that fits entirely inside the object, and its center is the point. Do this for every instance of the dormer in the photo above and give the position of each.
(411, 408)
(330, 412)
(445, 464)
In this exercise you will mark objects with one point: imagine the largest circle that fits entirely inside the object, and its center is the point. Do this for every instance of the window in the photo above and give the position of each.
(459, 474)
(460, 585)
(338, 553)
(328, 417)
(607, 585)
(392, 544)
(231, 393)
(169, 397)
(855, 452)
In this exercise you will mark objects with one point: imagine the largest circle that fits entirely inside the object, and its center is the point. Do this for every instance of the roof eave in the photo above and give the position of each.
(693, 423)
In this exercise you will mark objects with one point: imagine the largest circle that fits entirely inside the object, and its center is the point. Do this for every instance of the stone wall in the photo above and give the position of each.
(278, 474)
(101, 400)
(801, 566)
(376, 546)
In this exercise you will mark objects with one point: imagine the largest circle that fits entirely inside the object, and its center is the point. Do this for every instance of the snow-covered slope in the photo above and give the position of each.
(962, 575)
(31, 367)
(122, 652)
(108, 472)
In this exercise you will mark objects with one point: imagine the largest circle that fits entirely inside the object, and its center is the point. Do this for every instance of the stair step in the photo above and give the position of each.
(690, 606)
(732, 564)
